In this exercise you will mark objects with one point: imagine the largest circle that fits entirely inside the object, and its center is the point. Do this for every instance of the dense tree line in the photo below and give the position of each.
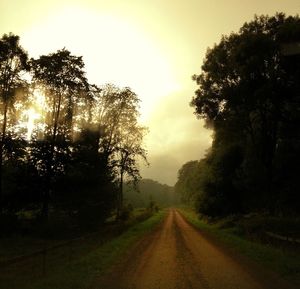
(66, 145)
(148, 192)
(249, 94)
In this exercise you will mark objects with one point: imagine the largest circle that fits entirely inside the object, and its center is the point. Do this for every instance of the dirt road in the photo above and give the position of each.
(177, 256)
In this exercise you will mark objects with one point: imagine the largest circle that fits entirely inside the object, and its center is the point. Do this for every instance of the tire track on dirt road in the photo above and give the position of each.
(177, 256)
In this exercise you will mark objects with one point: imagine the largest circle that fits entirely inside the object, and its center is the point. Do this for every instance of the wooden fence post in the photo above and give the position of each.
(44, 256)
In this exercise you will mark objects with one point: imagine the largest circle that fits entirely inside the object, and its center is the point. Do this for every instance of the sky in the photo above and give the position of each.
(152, 46)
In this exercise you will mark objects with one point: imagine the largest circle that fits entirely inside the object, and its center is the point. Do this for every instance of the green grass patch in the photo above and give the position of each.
(79, 272)
(11, 247)
(285, 262)
(26, 244)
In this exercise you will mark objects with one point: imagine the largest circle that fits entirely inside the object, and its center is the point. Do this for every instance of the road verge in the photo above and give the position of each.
(283, 262)
(80, 272)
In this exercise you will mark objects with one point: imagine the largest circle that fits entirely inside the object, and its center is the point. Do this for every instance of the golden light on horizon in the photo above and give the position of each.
(151, 46)
(113, 49)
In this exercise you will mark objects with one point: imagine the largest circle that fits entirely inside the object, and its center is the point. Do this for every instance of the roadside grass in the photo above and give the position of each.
(16, 246)
(92, 258)
(24, 244)
(285, 262)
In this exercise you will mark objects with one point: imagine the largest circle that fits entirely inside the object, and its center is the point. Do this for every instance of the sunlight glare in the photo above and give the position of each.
(35, 113)
(32, 116)
(114, 50)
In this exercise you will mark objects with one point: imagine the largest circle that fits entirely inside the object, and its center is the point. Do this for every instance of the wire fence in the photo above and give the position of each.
(39, 263)
(283, 238)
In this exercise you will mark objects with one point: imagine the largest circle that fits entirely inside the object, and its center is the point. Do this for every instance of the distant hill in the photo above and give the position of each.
(148, 190)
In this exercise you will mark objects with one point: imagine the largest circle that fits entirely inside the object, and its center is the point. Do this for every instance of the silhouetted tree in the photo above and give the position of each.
(62, 79)
(85, 142)
(129, 149)
(87, 190)
(21, 181)
(13, 62)
(249, 94)
(116, 113)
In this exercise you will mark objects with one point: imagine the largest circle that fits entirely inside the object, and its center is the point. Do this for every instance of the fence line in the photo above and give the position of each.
(283, 238)
(40, 261)
(44, 251)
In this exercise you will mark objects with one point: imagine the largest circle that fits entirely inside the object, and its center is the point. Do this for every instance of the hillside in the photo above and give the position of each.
(149, 190)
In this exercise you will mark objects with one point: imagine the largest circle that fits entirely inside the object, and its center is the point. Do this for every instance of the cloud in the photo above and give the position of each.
(176, 136)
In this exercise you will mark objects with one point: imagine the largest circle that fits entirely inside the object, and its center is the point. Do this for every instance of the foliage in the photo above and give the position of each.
(90, 257)
(249, 94)
(61, 77)
(13, 62)
(150, 193)
(86, 189)
(116, 114)
(280, 260)
(84, 142)
(187, 185)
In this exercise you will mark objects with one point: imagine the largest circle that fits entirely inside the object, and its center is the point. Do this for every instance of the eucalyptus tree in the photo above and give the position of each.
(61, 77)
(13, 65)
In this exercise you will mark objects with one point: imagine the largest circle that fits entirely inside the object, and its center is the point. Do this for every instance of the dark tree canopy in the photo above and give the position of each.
(76, 154)
(13, 63)
(249, 94)
(62, 78)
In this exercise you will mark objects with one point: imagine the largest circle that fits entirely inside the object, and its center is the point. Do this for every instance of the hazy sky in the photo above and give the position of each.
(152, 46)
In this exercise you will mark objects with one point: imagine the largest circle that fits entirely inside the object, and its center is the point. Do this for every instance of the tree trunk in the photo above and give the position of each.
(1, 155)
(121, 191)
(120, 196)
(50, 165)
(45, 206)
